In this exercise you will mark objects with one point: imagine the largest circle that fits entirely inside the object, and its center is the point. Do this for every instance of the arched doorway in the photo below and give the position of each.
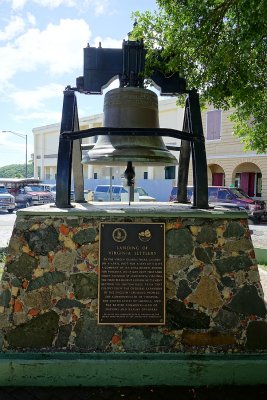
(248, 177)
(216, 175)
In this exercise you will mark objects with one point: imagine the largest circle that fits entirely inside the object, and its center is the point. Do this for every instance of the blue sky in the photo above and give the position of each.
(41, 52)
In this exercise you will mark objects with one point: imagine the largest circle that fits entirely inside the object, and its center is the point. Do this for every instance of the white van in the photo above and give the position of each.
(119, 193)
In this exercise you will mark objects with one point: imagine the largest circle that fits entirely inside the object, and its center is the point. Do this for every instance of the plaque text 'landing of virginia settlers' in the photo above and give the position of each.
(132, 273)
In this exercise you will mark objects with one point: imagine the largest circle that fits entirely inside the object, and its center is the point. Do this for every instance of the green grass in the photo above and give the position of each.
(263, 266)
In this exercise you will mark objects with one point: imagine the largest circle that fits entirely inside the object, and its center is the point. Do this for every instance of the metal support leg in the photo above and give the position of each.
(184, 160)
(64, 162)
(199, 160)
(77, 166)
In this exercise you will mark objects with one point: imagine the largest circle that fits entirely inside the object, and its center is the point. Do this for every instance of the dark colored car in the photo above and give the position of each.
(23, 199)
(232, 198)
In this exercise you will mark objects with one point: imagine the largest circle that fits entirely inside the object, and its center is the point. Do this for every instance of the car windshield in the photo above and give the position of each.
(244, 194)
(140, 191)
(3, 190)
(34, 188)
(116, 189)
(102, 189)
(239, 193)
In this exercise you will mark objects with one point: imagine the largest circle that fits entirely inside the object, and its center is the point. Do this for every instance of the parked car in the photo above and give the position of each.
(23, 199)
(117, 192)
(87, 194)
(39, 193)
(7, 201)
(231, 198)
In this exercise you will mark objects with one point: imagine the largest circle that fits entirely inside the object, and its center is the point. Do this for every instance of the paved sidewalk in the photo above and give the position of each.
(149, 393)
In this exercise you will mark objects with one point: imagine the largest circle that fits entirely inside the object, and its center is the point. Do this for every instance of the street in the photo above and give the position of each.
(6, 227)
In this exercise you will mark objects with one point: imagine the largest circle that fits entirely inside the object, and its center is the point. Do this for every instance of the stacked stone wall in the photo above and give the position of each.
(49, 289)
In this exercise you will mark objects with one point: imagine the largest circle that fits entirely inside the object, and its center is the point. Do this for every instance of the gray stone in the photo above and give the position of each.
(233, 264)
(90, 336)
(40, 299)
(183, 290)
(5, 297)
(48, 278)
(73, 222)
(257, 335)
(64, 261)
(179, 242)
(1, 341)
(204, 255)
(228, 282)
(247, 301)
(238, 245)
(43, 262)
(16, 282)
(69, 303)
(234, 229)
(38, 333)
(85, 236)
(179, 317)
(5, 318)
(193, 274)
(42, 241)
(141, 339)
(23, 224)
(174, 265)
(85, 285)
(23, 267)
(63, 336)
(227, 319)
(207, 235)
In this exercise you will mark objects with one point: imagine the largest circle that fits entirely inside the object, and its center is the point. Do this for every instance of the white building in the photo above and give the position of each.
(227, 161)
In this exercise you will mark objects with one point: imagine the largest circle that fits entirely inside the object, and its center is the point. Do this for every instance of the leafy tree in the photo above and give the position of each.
(16, 171)
(220, 47)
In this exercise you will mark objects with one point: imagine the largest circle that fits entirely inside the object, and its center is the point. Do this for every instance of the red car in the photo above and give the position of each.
(231, 198)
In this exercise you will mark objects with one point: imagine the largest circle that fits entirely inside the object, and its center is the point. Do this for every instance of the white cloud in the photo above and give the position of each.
(44, 117)
(106, 42)
(15, 25)
(11, 142)
(58, 49)
(99, 6)
(35, 99)
(31, 18)
(18, 4)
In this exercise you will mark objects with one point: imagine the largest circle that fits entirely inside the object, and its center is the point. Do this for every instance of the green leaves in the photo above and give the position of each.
(220, 46)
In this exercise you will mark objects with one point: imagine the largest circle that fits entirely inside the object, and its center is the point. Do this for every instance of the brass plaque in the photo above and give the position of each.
(132, 274)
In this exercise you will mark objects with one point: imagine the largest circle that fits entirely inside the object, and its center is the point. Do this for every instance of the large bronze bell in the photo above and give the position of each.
(130, 107)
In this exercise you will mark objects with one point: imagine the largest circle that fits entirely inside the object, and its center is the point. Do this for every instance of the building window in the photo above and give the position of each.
(95, 175)
(170, 172)
(217, 179)
(145, 175)
(258, 184)
(39, 172)
(214, 122)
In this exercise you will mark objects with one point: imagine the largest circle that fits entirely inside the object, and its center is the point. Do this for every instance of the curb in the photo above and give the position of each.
(133, 370)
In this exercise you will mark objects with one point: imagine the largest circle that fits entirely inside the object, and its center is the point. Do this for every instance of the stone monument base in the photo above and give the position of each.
(214, 300)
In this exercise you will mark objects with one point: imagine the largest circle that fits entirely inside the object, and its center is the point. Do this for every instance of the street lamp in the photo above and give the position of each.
(24, 136)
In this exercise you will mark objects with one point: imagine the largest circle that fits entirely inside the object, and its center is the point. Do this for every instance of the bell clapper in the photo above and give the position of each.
(129, 174)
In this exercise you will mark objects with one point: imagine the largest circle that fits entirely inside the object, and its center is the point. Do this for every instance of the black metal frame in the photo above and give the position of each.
(192, 134)
(128, 64)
